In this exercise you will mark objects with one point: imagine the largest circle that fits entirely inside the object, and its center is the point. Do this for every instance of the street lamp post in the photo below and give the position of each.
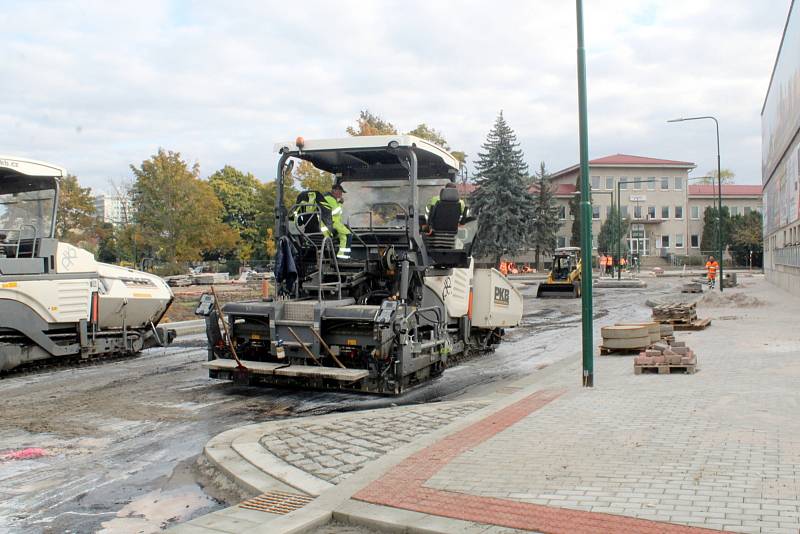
(587, 335)
(619, 216)
(719, 190)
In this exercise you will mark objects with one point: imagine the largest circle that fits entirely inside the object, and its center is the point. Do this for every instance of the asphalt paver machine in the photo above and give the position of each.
(564, 279)
(407, 303)
(56, 301)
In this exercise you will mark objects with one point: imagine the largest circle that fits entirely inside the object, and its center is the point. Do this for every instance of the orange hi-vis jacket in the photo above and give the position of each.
(712, 269)
(609, 261)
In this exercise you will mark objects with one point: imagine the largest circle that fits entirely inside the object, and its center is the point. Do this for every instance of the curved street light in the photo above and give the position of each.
(719, 189)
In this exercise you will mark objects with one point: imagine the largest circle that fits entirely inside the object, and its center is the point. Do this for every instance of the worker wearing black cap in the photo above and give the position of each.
(333, 201)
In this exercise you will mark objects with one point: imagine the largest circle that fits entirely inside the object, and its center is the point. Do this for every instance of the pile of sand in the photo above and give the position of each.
(713, 299)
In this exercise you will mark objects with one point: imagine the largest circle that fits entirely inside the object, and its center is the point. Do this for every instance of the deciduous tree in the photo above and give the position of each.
(502, 203)
(239, 193)
(747, 238)
(711, 177)
(76, 214)
(177, 214)
(370, 124)
(312, 178)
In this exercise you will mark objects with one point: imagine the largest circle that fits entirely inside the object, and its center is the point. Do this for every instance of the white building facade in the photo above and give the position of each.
(114, 209)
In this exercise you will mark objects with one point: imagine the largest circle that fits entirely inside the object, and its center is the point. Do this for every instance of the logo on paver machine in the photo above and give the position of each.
(501, 296)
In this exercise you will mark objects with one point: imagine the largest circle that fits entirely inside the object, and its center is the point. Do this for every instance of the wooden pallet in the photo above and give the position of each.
(697, 324)
(665, 369)
(692, 290)
(605, 351)
(674, 322)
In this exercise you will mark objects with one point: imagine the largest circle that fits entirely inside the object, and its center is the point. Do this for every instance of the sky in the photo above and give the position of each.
(97, 86)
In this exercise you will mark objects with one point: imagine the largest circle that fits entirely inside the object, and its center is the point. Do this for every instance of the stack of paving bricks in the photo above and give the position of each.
(675, 313)
(662, 358)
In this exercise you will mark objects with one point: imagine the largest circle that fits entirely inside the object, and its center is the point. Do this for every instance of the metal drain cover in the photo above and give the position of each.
(276, 502)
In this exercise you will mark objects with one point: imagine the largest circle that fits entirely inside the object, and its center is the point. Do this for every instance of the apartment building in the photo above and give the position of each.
(114, 209)
(666, 210)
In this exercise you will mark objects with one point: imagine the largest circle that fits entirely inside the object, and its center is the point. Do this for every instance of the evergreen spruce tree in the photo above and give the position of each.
(708, 240)
(546, 225)
(607, 240)
(502, 203)
(575, 210)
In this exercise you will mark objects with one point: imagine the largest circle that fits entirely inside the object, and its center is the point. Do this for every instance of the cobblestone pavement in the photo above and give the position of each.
(335, 449)
(719, 449)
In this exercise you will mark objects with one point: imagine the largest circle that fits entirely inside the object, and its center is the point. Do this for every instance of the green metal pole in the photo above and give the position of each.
(719, 197)
(586, 212)
(619, 232)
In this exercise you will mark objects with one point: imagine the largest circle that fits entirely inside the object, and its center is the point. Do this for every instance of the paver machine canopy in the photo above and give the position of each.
(407, 301)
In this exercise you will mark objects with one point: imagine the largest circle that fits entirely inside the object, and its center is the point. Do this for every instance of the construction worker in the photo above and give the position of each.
(333, 201)
(610, 265)
(435, 200)
(601, 262)
(712, 266)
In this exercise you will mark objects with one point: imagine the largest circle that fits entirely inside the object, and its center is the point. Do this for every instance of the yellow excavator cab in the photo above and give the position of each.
(564, 279)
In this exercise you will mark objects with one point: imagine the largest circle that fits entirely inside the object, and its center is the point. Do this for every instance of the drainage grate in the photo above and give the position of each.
(276, 502)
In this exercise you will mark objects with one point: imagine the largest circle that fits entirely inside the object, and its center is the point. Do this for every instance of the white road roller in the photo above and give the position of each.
(56, 301)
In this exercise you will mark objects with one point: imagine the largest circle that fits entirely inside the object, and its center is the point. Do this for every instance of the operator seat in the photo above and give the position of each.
(443, 220)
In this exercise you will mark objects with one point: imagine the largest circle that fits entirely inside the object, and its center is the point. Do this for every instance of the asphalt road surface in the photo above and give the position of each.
(115, 446)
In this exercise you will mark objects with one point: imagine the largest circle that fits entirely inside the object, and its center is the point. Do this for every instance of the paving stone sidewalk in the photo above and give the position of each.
(718, 450)
(336, 448)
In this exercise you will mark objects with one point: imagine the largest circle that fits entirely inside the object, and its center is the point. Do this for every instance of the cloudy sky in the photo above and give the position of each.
(96, 86)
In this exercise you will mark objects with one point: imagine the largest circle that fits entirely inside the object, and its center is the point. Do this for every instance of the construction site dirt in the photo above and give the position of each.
(115, 447)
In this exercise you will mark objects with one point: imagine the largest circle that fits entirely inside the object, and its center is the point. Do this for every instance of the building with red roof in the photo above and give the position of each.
(657, 195)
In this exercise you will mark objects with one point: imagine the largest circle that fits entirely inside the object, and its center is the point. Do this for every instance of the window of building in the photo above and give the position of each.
(679, 212)
(747, 210)
(595, 212)
(651, 183)
(678, 240)
(665, 212)
(665, 184)
(694, 241)
(594, 241)
(664, 241)
(624, 212)
(595, 182)
(695, 212)
(637, 212)
(734, 211)
(623, 184)
(637, 183)
(562, 241)
(609, 182)
(562, 212)
(679, 183)
(651, 212)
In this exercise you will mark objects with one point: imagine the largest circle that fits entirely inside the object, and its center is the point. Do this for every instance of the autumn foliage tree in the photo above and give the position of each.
(239, 193)
(76, 216)
(370, 124)
(177, 214)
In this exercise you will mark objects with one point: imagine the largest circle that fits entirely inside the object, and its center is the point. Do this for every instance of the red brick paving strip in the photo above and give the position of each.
(403, 487)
